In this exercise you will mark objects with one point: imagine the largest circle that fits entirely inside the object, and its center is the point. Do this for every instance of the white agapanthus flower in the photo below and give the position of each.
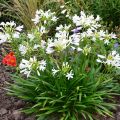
(19, 28)
(36, 46)
(43, 44)
(42, 65)
(30, 36)
(11, 30)
(64, 11)
(60, 45)
(3, 38)
(100, 58)
(54, 18)
(43, 30)
(62, 6)
(23, 49)
(36, 20)
(69, 75)
(12, 24)
(98, 18)
(16, 35)
(61, 41)
(26, 66)
(63, 28)
(47, 15)
(86, 21)
(50, 47)
(75, 39)
(54, 71)
(112, 59)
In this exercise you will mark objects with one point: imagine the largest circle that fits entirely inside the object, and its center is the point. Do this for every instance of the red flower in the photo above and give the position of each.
(9, 59)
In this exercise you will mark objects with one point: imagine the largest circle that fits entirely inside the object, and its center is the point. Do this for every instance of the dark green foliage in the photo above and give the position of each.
(87, 95)
(109, 10)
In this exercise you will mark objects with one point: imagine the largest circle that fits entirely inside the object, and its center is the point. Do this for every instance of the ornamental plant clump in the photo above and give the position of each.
(67, 71)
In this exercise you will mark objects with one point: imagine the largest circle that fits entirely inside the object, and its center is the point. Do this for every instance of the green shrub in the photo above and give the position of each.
(109, 10)
(83, 97)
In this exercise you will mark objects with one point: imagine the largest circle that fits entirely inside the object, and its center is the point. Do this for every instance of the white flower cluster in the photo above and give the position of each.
(82, 36)
(23, 49)
(112, 59)
(27, 66)
(90, 29)
(8, 29)
(66, 69)
(86, 21)
(61, 40)
(87, 32)
(41, 15)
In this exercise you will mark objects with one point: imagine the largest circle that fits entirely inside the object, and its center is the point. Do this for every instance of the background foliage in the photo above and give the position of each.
(109, 10)
(24, 10)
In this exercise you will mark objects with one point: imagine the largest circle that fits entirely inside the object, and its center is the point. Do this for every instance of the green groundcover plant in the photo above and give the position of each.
(63, 69)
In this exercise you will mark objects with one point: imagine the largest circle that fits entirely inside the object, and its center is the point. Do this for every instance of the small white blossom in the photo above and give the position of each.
(19, 28)
(42, 65)
(54, 18)
(75, 39)
(43, 44)
(98, 18)
(36, 46)
(50, 48)
(79, 49)
(106, 42)
(31, 36)
(69, 75)
(63, 28)
(25, 67)
(54, 71)
(101, 56)
(86, 21)
(43, 30)
(3, 38)
(16, 35)
(63, 11)
(112, 59)
(36, 20)
(62, 6)
(23, 49)
(11, 23)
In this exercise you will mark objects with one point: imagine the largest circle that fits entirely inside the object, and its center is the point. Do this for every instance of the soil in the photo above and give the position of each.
(10, 106)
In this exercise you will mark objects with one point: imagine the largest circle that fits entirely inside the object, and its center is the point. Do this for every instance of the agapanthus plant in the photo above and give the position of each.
(65, 72)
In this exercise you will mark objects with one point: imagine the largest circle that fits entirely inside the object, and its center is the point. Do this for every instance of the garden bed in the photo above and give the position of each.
(9, 106)
(67, 75)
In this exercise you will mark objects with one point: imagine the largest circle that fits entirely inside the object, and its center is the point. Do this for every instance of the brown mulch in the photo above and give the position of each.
(10, 106)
